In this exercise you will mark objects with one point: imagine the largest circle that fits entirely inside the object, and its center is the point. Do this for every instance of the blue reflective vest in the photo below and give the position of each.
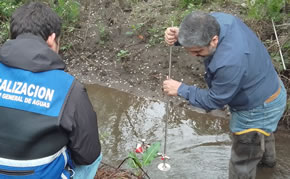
(32, 144)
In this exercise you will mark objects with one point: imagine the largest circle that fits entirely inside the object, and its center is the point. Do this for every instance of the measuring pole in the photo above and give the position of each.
(165, 166)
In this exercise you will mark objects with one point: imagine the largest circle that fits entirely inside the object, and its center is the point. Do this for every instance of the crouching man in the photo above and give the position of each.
(48, 128)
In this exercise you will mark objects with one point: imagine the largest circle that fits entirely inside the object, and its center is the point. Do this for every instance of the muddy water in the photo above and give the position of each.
(198, 144)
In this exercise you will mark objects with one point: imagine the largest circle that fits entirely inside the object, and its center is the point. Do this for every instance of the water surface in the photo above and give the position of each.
(198, 144)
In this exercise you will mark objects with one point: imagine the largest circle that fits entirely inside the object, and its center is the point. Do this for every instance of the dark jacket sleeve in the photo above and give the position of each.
(79, 120)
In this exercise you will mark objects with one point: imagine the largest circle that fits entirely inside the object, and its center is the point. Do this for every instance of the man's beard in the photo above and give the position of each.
(211, 51)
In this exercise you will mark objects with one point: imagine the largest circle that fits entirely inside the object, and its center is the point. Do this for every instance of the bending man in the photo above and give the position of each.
(239, 73)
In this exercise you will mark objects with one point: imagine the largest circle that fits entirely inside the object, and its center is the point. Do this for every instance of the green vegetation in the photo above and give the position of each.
(277, 58)
(136, 29)
(156, 35)
(4, 31)
(265, 9)
(104, 34)
(7, 7)
(186, 7)
(187, 3)
(122, 54)
(144, 159)
(68, 10)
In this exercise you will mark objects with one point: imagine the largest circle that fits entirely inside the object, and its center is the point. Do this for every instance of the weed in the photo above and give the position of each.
(65, 47)
(286, 53)
(104, 34)
(68, 10)
(7, 7)
(122, 54)
(181, 13)
(285, 49)
(156, 35)
(136, 29)
(4, 31)
(138, 159)
(137, 26)
(186, 3)
(265, 9)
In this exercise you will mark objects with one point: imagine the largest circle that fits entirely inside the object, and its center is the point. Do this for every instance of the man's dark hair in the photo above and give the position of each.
(36, 18)
(198, 29)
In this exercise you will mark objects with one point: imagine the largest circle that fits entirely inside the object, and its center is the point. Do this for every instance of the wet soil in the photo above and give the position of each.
(106, 28)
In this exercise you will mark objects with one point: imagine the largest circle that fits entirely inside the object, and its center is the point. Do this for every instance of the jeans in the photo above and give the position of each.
(265, 117)
(87, 171)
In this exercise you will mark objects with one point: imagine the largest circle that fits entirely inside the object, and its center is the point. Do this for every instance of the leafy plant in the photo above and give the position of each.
(285, 48)
(156, 35)
(104, 34)
(4, 31)
(181, 13)
(68, 10)
(265, 9)
(277, 61)
(286, 53)
(144, 159)
(65, 46)
(7, 7)
(123, 54)
(136, 29)
(186, 3)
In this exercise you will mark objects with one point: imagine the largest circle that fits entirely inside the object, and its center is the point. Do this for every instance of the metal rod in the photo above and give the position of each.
(280, 51)
(167, 108)
(170, 57)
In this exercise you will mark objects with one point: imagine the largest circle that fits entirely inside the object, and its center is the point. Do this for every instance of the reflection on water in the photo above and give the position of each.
(198, 144)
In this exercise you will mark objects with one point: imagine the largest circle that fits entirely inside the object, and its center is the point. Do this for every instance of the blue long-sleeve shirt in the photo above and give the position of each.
(240, 73)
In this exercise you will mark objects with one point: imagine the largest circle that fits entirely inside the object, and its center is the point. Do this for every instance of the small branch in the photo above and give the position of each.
(271, 46)
(117, 169)
(279, 45)
(286, 24)
(87, 29)
(140, 167)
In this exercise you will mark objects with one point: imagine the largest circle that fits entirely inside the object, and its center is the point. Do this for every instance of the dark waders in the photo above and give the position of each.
(249, 150)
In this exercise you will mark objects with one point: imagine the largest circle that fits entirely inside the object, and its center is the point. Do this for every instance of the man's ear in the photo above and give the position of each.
(51, 40)
(53, 43)
(214, 41)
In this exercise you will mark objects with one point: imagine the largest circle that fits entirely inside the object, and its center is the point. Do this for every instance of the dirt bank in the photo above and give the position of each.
(121, 45)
